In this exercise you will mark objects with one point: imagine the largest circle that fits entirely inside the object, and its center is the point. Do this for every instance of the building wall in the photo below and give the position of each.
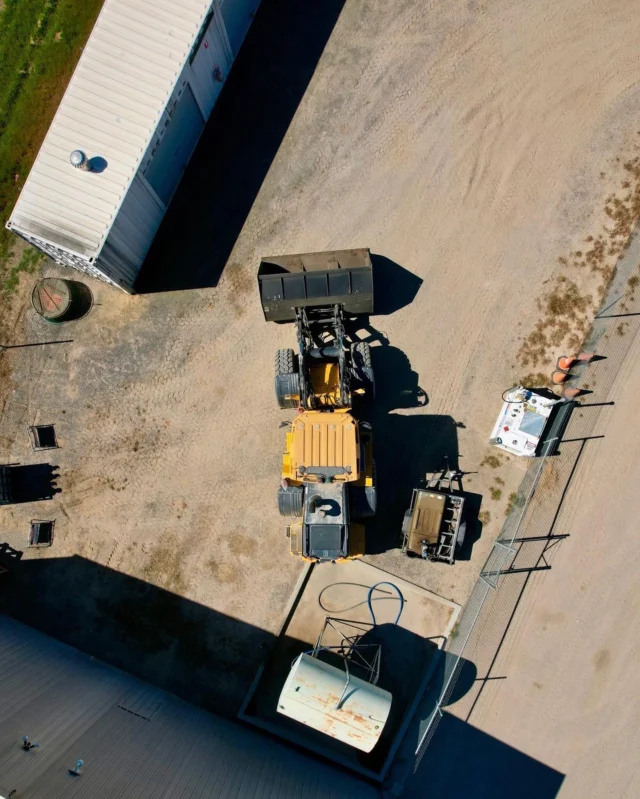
(136, 741)
(237, 16)
(131, 235)
(169, 151)
(66, 258)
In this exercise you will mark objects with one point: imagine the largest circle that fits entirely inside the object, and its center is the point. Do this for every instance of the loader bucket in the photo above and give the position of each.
(312, 280)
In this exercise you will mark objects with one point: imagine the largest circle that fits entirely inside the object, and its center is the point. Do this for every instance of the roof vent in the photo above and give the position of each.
(80, 160)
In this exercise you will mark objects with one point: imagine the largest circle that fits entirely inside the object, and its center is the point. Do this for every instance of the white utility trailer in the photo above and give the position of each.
(531, 422)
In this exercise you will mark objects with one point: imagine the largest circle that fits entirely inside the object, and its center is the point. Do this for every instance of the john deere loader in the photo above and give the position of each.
(320, 292)
(328, 476)
(328, 472)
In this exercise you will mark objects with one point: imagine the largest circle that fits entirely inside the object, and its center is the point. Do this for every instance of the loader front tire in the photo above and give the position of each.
(287, 379)
(363, 367)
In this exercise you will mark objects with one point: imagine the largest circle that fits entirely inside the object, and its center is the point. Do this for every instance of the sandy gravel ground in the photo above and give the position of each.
(480, 146)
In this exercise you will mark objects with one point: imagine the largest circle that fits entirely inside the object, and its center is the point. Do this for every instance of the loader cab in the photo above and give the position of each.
(325, 521)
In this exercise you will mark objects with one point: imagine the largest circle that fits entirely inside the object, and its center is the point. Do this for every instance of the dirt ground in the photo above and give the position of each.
(487, 153)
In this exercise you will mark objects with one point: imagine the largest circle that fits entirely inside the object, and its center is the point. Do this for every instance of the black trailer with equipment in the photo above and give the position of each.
(434, 527)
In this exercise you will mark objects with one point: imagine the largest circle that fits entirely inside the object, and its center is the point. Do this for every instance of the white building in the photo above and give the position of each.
(138, 100)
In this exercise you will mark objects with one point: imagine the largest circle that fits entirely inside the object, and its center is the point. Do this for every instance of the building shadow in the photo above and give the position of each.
(460, 761)
(463, 762)
(195, 652)
(250, 119)
(405, 661)
(30, 483)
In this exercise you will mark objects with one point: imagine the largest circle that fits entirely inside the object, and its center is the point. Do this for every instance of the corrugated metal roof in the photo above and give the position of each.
(74, 707)
(111, 108)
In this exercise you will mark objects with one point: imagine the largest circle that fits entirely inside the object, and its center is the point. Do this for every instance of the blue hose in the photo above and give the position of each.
(400, 598)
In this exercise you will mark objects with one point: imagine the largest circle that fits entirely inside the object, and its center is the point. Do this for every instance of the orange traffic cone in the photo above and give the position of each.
(571, 393)
(586, 357)
(558, 377)
(565, 362)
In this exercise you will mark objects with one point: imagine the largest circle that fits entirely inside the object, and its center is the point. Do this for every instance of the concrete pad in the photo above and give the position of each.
(409, 651)
(341, 590)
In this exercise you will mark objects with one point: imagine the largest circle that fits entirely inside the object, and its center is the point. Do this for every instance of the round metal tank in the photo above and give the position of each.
(58, 300)
(314, 694)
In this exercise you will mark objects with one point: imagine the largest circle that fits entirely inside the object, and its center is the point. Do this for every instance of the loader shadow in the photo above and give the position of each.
(195, 652)
(397, 385)
(394, 286)
(406, 446)
(266, 84)
(9, 557)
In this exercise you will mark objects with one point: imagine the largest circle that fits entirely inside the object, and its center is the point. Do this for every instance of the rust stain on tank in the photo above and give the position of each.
(356, 720)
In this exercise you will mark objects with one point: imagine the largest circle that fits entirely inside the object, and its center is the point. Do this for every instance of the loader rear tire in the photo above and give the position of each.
(287, 379)
(290, 501)
(364, 502)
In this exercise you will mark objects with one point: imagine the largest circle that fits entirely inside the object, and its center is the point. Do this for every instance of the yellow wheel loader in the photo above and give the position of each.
(328, 477)
(320, 292)
(328, 472)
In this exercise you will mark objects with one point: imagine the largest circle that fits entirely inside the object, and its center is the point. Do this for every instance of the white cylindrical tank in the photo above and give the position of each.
(314, 694)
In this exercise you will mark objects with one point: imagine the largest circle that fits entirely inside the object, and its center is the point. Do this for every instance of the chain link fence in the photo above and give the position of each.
(542, 510)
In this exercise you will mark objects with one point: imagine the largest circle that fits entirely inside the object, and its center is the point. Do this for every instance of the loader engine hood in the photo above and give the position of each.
(323, 447)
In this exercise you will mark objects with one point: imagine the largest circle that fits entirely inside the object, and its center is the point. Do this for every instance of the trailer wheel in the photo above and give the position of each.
(462, 531)
(406, 523)
(363, 367)
(287, 379)
(290, 501)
